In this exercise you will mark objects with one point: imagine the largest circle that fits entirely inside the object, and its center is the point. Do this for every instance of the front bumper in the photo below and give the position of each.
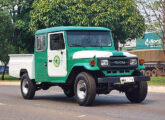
(118, 80)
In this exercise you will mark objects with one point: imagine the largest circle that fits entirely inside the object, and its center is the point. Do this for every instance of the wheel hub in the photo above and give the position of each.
(81, 89)
(25, 86)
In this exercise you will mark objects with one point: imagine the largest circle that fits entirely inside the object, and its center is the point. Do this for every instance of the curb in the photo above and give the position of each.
(159, 89)
(10, 83)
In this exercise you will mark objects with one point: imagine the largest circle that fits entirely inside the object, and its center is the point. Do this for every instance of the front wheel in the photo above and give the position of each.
(85, 89)
(139, 94)
(28, 87)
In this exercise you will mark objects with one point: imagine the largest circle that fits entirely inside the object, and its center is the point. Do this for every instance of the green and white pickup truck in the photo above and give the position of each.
(82, 61)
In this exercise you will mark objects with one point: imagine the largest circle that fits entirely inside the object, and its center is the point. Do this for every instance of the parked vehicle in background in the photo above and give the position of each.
(82, 61)
(2, 68)
(150, 48)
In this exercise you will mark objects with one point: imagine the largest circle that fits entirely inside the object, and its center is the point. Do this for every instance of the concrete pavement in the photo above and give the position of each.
(54, 105)
(151, 88)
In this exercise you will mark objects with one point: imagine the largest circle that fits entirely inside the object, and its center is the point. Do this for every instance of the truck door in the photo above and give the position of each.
(41, 58)
(56, 55)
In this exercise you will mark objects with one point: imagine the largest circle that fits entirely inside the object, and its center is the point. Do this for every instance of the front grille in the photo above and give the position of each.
(119, 63)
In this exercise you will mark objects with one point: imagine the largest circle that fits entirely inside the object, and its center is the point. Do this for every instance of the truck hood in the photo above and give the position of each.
(99, 54)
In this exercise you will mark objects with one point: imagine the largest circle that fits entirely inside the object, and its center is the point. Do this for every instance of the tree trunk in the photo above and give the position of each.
(116, 44)
(3, 73)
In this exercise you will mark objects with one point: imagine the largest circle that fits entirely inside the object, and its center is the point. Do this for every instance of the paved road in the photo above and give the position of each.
(53, 105)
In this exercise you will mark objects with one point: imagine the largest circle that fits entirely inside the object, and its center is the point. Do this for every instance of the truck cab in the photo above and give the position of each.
(82, 61)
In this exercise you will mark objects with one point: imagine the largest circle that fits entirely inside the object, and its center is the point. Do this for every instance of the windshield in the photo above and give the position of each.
(89, 38)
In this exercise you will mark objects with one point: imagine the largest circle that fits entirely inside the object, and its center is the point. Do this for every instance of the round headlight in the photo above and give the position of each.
(104, 62)
(133, 61)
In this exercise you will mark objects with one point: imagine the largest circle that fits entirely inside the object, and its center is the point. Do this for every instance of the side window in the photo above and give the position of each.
(41, 42)
(57, 41)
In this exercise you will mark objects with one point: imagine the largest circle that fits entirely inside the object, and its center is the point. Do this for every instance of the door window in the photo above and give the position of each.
(41, 42)
(57, 41)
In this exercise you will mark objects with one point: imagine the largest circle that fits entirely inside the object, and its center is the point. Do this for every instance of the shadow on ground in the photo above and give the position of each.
(99, 100)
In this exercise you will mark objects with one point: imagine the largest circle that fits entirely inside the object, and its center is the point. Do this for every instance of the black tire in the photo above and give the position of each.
(154, 73)
(142, 72)
(139, 94)
(69, 92)
(89, 89)
(28, 87)
(148, 73)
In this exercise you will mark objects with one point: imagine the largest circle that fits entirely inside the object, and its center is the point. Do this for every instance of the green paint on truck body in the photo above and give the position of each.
(41, 71)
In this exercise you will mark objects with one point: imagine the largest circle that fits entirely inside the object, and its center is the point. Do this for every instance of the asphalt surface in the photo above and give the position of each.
(54, 105)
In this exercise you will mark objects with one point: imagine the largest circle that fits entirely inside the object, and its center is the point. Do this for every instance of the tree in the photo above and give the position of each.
(122, 17)
(154, 12)
(4, 52)
(5, 38)
(19, 11)
(15, 36)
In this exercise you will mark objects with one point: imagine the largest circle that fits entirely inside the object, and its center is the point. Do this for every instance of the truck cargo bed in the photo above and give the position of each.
(19, 62)
(150, 55)
(154, 61)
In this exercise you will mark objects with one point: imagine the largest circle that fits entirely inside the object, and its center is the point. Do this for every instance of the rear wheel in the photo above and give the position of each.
(28, 87)
(154, 73)
(85, 89)
(139, 94)
(143, 72)
(147, 73)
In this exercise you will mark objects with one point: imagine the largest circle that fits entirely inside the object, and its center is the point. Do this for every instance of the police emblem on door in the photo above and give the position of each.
(56, 61)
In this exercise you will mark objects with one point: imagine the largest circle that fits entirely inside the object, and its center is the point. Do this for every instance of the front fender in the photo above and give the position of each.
(141, 67)
(87, 66)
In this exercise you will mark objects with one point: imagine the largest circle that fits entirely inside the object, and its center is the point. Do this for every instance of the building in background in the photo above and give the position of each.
(149, 41)
(128, 46)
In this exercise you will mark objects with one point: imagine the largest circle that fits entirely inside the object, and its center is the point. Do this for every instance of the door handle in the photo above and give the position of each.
(50, 60)
(62, 52)
(45, 64)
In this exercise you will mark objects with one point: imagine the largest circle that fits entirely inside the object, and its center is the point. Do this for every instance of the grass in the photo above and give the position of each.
(157, 81)
(7, 77)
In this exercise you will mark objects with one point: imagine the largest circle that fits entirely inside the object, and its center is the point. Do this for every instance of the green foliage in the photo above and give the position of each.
(14, 24)
(157, 81)
(19, 11)
(6, 33)
(153, 13)
(151, 28)
(122, 17)
(5, 50)
(5, 25)
(7, 77)
(24, 39)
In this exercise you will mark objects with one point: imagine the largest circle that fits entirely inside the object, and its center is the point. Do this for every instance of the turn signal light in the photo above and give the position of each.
(92, 63)
(141, 61)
